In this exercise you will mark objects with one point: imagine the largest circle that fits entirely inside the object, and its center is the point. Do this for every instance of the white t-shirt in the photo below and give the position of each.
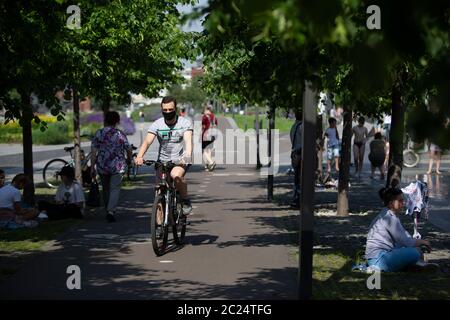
(171, 143)
(8, 195)
(72, 194)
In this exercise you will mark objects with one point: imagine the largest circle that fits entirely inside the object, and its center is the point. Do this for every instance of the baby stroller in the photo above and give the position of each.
(416, 196)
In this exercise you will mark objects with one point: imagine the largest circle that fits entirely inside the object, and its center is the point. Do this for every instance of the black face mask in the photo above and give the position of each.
(169, 116)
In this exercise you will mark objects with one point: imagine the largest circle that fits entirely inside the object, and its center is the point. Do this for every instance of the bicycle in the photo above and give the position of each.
(167, 210)
(53, 167)
(132, 168)
(410, 157)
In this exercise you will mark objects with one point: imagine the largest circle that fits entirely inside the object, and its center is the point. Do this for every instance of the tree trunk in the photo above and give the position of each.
(258, 160)
(344, 168)
(106, 104)
(76, 136)
(27, 116)
(270, 176)
(319, 156)
(395, 165)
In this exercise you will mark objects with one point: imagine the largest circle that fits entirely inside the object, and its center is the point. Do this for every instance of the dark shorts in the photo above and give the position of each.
(376, 160)
(206, 143)
(359, 144)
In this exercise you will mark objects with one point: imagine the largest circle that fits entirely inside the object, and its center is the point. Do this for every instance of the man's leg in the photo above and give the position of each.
(362, 150)
(355, 157)
(177, 174)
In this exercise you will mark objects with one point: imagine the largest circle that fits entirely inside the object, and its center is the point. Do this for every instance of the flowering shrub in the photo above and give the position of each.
(126, 124)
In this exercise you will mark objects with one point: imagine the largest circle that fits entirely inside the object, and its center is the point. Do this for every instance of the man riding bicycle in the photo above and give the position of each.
(173, 132)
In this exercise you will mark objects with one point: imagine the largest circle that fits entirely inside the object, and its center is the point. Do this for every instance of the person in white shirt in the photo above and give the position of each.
(69, 198)
(10, 201)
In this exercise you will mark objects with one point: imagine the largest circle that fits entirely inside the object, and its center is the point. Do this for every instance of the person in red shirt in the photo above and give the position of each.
(209, 124)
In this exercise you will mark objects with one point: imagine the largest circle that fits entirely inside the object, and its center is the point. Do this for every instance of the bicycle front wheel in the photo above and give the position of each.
(179, 225)
(159, 232)
(51, 172)
(410, 158)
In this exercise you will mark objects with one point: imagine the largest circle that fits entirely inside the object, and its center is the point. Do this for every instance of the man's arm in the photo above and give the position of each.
(144, 147)
(187, 137)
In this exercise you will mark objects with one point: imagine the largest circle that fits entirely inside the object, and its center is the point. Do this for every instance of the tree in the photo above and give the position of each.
(25, 25)
(121, 47)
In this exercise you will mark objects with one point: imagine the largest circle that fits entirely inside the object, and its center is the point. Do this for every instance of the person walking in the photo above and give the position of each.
(377, 155)
(359, 144)
(109, 146)
(435, 155)
(209, 124)
(296, 156)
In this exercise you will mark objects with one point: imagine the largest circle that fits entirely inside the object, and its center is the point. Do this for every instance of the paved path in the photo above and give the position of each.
(234, 248)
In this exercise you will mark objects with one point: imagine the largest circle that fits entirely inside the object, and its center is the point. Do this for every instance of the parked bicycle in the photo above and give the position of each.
(53, 167)
(132, 168)
(410, 157)
(167, 210)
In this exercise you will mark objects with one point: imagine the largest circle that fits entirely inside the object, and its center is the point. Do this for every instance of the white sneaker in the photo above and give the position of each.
(43, 215)
(421, 263)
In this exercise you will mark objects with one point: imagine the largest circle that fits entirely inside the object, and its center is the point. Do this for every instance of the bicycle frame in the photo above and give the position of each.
(167, 187)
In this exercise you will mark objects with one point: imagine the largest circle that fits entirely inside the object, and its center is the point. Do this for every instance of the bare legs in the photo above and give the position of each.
(434, 156)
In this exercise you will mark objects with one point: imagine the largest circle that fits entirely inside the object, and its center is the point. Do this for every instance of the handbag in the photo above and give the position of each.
(94, 195)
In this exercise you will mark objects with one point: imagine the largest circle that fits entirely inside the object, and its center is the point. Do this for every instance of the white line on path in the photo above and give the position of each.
(166, 261)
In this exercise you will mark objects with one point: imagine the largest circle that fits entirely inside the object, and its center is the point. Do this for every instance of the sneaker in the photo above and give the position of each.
(43, 215)
(110, 217)
(186, 206)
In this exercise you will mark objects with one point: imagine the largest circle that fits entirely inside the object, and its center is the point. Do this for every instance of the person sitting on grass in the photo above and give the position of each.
(69, 198)
(389, 246)
(10, 201)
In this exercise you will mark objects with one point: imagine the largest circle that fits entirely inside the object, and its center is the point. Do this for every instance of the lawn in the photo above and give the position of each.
(17, 246)
(339, 243)
(247, 121)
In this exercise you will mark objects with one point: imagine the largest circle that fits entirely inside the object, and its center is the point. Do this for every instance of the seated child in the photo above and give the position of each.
(69, 198)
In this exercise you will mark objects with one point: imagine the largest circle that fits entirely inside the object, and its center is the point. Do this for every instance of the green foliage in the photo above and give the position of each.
(192, 94)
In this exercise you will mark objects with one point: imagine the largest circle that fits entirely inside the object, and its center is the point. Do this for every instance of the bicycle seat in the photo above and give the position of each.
(133, 147)
(68, 149)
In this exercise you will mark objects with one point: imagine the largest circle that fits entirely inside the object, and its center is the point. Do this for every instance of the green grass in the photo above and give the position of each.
(247, 121)
(23, 240)
(333, 279)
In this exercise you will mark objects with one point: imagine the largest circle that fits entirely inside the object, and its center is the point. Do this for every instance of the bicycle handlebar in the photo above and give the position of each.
(169, 163)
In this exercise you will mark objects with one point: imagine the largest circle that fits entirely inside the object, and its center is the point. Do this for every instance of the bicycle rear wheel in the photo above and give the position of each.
(51, 170)
(179, 225)
(410, 158)
(159, 232)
